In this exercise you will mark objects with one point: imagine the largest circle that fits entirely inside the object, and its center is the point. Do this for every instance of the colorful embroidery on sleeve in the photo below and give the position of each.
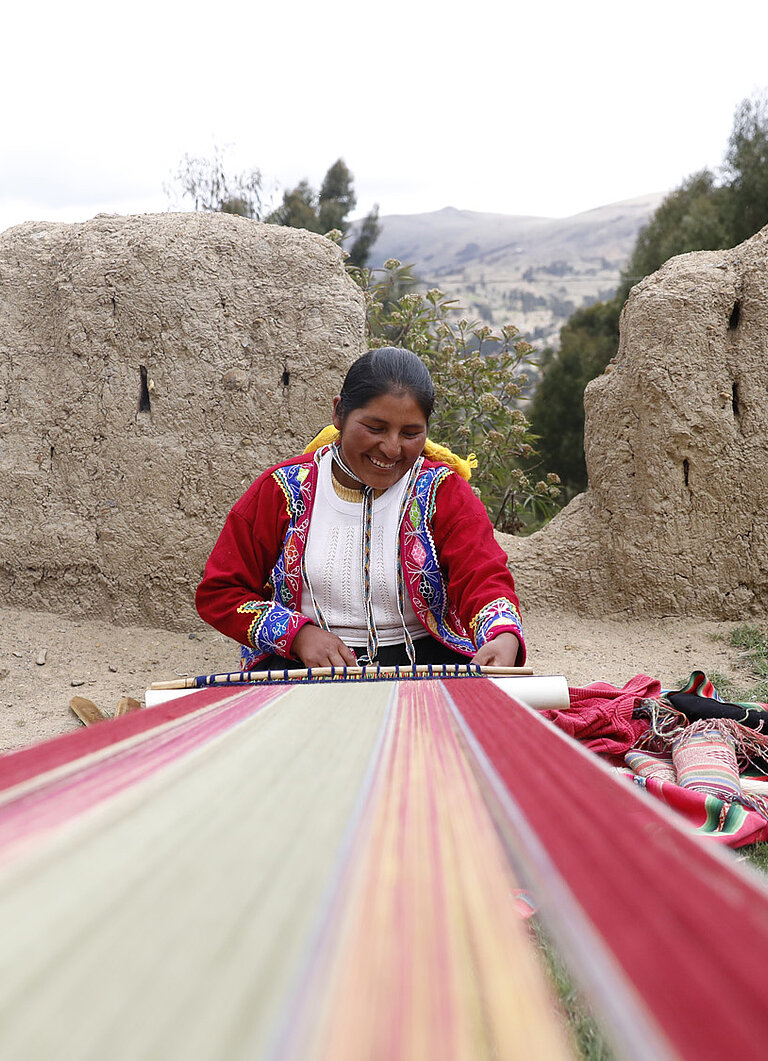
(271, 626)
(285, 577)
(495, 618)
(276, 622)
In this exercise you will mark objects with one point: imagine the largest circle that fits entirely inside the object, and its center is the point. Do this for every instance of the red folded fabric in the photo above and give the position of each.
(730, 823)
(600, 715)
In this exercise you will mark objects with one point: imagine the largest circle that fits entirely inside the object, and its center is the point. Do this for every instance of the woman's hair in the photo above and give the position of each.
(388, 370)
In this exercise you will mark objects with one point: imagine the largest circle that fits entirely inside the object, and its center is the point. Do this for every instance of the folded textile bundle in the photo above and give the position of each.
(667, 723)
(707, 756)
(603, 718)
(646, 764)
(704, 758)
(698, 698)
(640, 725)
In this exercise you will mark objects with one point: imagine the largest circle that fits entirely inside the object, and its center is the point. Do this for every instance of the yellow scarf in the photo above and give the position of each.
(432, 451)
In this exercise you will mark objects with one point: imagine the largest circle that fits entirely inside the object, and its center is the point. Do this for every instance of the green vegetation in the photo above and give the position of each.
(206, 182)
(753, 641)
(328, 210)
(757, 856)
(707, 212)
(479, 379)
(587, 1038)
(746, 170)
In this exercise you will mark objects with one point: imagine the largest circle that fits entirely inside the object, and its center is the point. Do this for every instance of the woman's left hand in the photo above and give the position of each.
(500, 652)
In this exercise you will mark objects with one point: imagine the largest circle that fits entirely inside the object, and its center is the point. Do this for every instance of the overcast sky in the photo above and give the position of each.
(545, 108)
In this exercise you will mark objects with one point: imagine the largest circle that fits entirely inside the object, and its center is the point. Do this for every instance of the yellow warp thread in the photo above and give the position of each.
(432, 451)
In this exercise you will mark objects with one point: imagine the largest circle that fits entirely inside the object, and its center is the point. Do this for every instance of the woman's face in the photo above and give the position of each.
(381, 441)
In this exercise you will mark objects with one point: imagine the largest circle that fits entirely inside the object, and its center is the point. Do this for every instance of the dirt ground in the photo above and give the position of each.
(47, 659)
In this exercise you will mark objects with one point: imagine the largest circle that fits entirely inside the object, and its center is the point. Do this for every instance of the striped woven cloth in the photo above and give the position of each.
(333, 872)
(275, 872)
(703, 768)
(704, 758)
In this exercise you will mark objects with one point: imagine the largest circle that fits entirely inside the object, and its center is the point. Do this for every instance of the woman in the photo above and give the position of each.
(365, 550)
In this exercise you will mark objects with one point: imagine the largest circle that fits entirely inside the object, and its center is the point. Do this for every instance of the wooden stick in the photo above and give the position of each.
(86, 710)
(440, 670)
(125, 705)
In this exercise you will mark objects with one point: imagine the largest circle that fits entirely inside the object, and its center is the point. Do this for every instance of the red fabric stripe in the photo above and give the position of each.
(19, 766)
(689, 932)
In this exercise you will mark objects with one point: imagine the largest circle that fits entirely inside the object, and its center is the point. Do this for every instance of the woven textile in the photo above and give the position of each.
(602, 716)
(644, 764)
(699, 699)
(268, 872)
(721, 821)
(712, 745)
(721, 817)
(334, 871)
(704, 759)
(676, 930)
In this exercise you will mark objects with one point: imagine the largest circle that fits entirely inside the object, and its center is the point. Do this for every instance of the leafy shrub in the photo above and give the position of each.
(480, 379)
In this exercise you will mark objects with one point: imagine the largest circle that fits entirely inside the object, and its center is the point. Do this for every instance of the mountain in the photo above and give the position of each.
(532, 272)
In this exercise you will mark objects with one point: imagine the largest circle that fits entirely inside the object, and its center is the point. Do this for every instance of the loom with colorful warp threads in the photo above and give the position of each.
(333, 869)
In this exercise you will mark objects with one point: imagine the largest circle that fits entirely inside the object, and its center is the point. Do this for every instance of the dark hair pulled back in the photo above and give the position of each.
(387, 370)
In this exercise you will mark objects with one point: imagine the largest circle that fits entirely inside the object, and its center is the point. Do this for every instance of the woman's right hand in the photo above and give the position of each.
(320, 648)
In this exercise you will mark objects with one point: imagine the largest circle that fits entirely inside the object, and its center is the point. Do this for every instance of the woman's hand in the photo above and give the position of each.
(320, 648)
(500, 652)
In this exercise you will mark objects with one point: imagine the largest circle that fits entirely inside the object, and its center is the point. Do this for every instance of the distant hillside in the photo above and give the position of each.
(529, 271)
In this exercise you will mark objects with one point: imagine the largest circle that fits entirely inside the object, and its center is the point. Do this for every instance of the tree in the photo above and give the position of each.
(707, 212)
(328, 211)
(746, 170)
(588, 340)
(297, 210)
(323, 211)
(336, 199)
(367, 234)
(690, 218)
(206, 182)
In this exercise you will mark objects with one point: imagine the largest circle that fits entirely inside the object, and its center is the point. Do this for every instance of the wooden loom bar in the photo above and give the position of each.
(340, 673)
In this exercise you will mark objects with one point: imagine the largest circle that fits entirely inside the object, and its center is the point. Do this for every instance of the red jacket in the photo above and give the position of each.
(454, 570)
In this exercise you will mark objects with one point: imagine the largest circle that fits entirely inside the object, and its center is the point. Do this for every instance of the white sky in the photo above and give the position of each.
(545, 108)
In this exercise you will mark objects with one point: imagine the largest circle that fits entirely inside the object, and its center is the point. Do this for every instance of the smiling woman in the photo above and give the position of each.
(381, 416)
(380, 442)
(364, 549)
